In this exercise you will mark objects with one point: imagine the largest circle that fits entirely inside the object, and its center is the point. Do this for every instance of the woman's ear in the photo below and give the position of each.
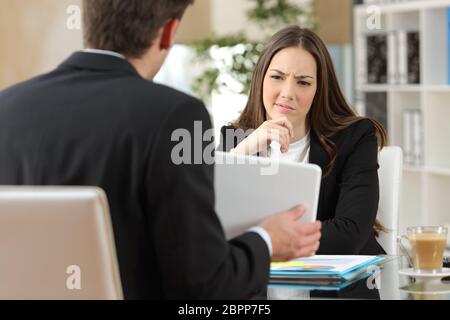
(168, 34)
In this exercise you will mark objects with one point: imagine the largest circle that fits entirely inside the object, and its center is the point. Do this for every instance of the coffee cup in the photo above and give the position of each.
(426, 248)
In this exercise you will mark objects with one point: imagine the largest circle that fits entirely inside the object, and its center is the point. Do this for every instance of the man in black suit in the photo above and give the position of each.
(96, 120)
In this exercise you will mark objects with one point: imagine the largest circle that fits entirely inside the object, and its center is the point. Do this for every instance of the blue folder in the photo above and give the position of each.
(328, 275)
(278, 283)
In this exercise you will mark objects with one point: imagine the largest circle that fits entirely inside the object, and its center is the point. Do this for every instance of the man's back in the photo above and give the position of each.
(95, 121)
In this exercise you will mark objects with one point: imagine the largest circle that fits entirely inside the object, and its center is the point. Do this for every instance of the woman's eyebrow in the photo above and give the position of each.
(296, 77)
(303, 77)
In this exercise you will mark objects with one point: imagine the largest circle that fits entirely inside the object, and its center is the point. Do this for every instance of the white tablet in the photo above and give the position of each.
(250, 189)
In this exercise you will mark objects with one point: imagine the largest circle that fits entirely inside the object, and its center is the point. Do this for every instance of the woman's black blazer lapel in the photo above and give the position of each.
(317, 154)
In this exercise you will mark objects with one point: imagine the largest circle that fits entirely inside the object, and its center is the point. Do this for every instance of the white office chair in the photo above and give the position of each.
(390, 176)
(57, 243)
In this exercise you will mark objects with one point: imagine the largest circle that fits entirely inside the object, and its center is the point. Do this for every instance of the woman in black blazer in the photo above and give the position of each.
(296, 101)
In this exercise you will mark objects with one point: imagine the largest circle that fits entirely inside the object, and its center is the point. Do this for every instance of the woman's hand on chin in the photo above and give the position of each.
(280, 130)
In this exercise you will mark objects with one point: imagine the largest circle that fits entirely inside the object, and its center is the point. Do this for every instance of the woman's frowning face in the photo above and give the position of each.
(290, 85)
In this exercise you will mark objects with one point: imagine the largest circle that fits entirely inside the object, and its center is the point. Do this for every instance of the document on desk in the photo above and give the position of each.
(325, 266)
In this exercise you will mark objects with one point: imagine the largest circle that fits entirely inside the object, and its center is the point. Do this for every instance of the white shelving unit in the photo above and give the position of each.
(425, 189)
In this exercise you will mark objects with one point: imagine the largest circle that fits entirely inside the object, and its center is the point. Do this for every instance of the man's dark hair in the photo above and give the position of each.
(127, 26)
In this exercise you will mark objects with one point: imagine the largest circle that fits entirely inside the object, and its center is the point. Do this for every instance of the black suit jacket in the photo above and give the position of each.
(348, 200)
(94, 121)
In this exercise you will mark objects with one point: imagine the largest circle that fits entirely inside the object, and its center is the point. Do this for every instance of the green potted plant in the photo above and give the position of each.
(229, 60)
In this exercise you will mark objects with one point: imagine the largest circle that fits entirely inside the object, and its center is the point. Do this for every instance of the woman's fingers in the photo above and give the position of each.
(280, 130)
(281, 134)
(283, 121)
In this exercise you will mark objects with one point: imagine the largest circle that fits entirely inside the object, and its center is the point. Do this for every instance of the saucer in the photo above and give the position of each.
(429, 290)
(445, 272)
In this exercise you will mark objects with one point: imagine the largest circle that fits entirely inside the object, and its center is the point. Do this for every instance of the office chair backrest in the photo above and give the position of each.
(57, 243)
(390, 176)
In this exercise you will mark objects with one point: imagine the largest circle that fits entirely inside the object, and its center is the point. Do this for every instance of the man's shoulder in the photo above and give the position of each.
(22, 86)
(164, 97)
(175, 95)
(125, 96)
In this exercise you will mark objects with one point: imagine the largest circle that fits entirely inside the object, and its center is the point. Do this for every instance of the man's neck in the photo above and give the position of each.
(145, 65)
(148, 64)
(144, 69)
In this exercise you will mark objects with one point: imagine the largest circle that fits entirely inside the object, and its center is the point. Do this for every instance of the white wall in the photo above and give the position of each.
(34, 37)
(229, 16)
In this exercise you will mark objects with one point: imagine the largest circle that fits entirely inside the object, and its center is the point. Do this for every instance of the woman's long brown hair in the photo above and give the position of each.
(329, 114)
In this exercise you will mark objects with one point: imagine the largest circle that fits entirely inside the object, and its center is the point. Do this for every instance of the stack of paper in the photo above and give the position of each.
(324, 269)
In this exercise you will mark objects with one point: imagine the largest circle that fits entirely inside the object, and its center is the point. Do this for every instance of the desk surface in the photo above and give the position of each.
(385, 284)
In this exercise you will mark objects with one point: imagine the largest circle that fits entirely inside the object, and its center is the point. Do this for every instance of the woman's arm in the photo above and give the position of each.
(357, 205)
